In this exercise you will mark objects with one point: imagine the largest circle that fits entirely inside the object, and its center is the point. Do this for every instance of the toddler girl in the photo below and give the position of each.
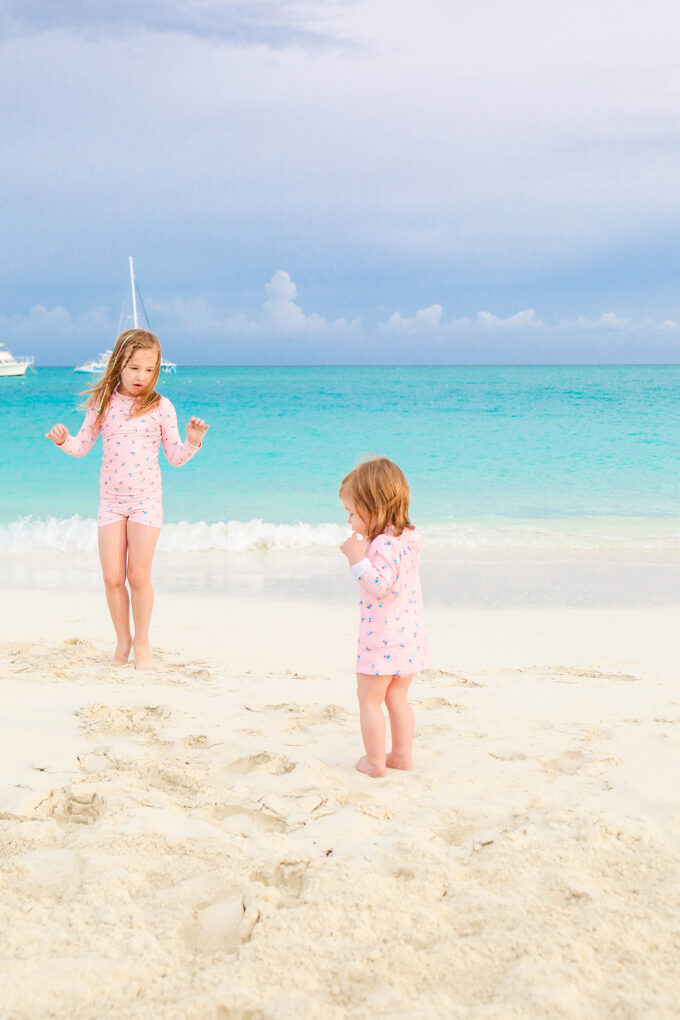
(383, 553)
(133, 420)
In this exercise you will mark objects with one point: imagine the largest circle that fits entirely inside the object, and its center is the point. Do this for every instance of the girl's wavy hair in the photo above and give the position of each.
(99, 395)
(380, 493)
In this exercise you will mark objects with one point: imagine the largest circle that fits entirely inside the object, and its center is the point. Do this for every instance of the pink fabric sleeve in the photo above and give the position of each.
(78, 446)
(380, 573)
(176, 451)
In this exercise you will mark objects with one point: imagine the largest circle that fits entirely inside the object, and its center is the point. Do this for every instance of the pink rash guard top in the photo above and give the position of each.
(392, 638)
(130, 479)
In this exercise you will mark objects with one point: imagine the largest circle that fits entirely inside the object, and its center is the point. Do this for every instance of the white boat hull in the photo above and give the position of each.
(18, 369)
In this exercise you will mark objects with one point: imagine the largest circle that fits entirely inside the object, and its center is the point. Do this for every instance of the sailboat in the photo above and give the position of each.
(98, 365)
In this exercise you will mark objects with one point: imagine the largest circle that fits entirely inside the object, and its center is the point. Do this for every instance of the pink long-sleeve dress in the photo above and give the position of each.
(130, 479)
(392, 638)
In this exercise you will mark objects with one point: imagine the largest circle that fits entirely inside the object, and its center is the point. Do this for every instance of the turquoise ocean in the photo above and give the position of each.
(555, 458)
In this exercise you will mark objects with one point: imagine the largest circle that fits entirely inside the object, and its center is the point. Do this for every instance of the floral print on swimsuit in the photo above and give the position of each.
(392, 638)
(130, 479)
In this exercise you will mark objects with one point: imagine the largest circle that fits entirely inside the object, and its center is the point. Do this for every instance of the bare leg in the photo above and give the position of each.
(141, 547)
(402, 723)
(112, 541)
(371, 693)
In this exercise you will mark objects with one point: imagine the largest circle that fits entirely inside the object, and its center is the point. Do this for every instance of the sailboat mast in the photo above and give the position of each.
(134, 294)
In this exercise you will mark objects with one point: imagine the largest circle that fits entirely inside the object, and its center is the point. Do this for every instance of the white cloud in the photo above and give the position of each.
(56, 329)
(426, 320)
(195, 331)
(281, 316)
(429, 322)
(520, 320)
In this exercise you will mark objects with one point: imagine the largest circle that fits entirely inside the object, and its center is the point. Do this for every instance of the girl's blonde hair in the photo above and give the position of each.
(125, 346)
(380, 493)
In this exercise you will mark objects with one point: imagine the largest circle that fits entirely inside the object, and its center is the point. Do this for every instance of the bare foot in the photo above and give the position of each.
(143, 656)
(122, 652)
(364, 765)
(399, 761)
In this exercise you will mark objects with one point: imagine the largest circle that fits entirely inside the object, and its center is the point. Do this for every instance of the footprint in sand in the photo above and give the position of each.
(566, 763)
(591, 674)
(289, 878)
(432, 703)
(243, 821)
(273, 764)
(198, 741)
(97, 720)
(222, 922)
(73, 660)
(451, 679)
(460, 831)
(574, 761)
(72, 805)
(98, 760)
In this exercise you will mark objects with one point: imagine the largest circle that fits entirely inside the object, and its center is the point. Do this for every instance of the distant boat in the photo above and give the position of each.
(9, 365)
(96, 366)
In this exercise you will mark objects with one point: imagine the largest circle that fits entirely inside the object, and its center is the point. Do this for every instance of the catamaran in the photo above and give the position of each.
(9, 365)
(98, 365)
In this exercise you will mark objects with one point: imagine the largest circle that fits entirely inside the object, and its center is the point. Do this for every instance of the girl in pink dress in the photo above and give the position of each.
(133, 421)
(384, 553)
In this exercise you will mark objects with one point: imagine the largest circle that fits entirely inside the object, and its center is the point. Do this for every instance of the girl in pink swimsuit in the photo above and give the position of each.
(383, 553)
(133, 421)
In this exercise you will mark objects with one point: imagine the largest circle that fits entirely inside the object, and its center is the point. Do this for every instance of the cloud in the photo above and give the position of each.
(607, 321)
(275, 23)
(196, 331)
(281, 316)
(57, 327)
(428, 322)
(520, 320)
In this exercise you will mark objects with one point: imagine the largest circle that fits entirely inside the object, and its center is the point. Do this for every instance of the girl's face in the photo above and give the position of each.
(138, 372)
(354, 518)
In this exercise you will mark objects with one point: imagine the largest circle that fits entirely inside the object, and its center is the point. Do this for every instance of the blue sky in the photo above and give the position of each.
(343, 181)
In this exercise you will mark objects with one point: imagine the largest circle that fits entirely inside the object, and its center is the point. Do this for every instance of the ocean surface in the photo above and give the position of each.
(498, 458)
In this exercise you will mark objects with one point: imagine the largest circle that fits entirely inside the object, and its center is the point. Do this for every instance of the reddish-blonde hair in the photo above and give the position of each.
(125, 346)
(380, 493)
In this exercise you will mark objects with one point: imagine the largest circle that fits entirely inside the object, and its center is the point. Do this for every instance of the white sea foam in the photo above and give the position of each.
(76, 534)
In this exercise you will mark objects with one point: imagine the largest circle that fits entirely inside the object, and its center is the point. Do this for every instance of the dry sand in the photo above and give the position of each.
(195, 843)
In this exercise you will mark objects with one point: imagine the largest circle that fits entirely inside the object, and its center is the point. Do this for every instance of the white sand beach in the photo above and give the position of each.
(195, 842)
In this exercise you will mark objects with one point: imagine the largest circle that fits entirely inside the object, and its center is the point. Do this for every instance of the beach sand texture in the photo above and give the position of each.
(195, 843)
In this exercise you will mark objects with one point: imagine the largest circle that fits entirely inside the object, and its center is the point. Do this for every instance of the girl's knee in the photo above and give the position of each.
(139, 579)
(114, 579)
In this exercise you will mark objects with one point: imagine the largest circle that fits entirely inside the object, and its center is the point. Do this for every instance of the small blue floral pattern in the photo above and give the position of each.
(130, 479)
(392, 637)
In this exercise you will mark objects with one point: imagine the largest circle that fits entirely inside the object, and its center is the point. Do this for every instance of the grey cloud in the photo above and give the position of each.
(274, 23)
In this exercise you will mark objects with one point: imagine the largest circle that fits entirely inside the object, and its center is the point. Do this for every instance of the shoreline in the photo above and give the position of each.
(455, 579)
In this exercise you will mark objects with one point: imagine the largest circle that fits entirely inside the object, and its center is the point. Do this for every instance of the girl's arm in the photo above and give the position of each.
(176, 451)
(377, 574)
(77, 446)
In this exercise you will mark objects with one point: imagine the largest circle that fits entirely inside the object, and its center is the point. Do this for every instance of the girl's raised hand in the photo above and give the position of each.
(58, 435)
(196, 429)
(354, 548)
